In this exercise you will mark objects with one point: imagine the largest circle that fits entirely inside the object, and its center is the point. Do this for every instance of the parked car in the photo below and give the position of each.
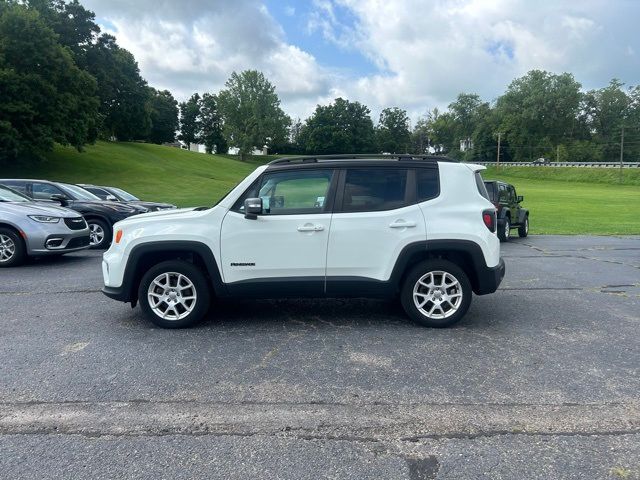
(510, 212)
(29, 229)
(541, 161)
(99, 214)
(418, 228)
(118, 195)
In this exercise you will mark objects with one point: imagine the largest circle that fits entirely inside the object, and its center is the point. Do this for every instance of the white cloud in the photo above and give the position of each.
(425, 51)
(195, 45)
(432, 50)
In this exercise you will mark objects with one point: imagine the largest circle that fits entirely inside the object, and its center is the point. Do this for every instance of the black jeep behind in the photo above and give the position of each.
(510, 213)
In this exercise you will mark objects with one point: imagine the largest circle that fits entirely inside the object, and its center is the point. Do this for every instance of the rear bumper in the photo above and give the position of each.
(489, 279)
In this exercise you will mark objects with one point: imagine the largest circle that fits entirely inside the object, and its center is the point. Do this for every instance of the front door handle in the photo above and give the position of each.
(311, 228)
(402, 224)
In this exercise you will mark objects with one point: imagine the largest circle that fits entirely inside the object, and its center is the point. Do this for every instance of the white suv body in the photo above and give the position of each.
(318, 226)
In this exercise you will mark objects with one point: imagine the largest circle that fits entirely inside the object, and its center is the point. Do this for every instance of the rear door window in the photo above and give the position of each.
(374, 189)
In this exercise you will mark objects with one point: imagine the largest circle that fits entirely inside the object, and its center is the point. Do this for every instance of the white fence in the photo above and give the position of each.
(565, 164)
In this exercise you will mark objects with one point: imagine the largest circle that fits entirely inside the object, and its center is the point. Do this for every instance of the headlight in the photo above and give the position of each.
(44, 219)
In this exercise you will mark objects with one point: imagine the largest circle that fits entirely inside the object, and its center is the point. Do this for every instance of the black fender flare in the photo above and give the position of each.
(144, 255)
(483, 278)
(523, 214)
(504, 211)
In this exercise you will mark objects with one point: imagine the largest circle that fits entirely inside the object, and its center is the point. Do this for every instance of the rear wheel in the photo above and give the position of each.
(504, 232)
(174, 294)
(523, 230)
(99, 233)
(12, 249)
(436, 293)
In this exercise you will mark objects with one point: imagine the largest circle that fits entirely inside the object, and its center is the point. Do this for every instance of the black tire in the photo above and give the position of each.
(523, 230)
(504, 230)
(419, 271)
(200, 287)
(13, 249)
(105, 228)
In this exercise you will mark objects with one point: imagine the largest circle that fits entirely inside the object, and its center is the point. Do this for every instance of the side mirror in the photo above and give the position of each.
(111, 198)
(252, 208)
(62, 199)
(520, 198)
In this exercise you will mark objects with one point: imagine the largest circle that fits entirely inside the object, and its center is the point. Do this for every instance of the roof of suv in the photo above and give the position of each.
(361, 160)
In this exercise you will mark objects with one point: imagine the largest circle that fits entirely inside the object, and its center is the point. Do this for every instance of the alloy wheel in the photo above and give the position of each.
(7, 248)
(96, 234)
(172, 296)
(437, 295)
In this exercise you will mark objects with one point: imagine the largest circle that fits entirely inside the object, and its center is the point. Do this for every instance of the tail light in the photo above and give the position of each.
(489, 219)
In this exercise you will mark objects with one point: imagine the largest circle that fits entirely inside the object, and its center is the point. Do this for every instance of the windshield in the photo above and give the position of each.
(122, 195)
(7, 195)
(78, 193)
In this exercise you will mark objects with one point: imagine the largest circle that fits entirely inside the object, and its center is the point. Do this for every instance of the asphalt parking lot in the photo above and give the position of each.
(540, 380)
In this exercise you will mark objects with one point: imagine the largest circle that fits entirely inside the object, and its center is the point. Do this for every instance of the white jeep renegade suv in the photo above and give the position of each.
(420, 228)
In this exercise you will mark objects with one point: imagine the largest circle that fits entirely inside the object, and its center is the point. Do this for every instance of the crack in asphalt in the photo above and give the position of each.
(312, 421)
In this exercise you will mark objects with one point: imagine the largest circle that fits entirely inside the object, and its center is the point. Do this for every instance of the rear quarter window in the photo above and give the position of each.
(427, 184)
(482, 189)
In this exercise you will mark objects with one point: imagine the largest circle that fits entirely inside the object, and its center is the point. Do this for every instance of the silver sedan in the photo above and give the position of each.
(28, 228)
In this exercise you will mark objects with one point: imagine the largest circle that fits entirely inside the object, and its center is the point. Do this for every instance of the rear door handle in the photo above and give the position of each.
(311, 228)
(402, 224)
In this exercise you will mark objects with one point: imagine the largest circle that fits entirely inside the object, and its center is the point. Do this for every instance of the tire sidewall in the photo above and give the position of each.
(406, 295)
(20, 253)
(106, 241)
(524, 230)
(199, 282)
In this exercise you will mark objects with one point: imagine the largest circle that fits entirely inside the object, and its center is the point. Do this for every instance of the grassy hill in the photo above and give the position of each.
(561, 200)
(152, 172)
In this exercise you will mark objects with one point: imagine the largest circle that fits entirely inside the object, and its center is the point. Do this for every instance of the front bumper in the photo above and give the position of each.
(117, 293)
(54, 239)
(489, 278)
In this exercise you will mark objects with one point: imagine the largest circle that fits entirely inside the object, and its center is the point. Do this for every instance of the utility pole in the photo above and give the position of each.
(557, 153)
(498, 160)
(621, 151)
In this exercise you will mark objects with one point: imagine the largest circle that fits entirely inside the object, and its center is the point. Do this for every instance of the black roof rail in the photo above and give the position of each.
(361, 156)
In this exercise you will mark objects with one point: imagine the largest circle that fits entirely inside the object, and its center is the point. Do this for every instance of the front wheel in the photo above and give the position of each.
(523, 230)
(12, 250)
(174, 294)
(436, 293)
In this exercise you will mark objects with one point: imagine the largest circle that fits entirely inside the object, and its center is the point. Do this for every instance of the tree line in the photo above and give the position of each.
(64, 81)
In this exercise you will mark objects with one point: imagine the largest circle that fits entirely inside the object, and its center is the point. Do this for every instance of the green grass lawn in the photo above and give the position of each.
(576, 200)
(561, 200)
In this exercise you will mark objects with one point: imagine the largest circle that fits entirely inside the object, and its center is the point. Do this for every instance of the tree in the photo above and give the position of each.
(46, 98)
(392, 132)
(420, 137)
(251, 111)
(538, 112)
(340, 127)
(124, 95)
(74, 24)
(164, 116)
(190, 120)
(211, 125)
(607, 109)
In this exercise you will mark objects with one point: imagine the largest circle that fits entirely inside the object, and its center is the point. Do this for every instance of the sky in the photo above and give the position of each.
(413, 54)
